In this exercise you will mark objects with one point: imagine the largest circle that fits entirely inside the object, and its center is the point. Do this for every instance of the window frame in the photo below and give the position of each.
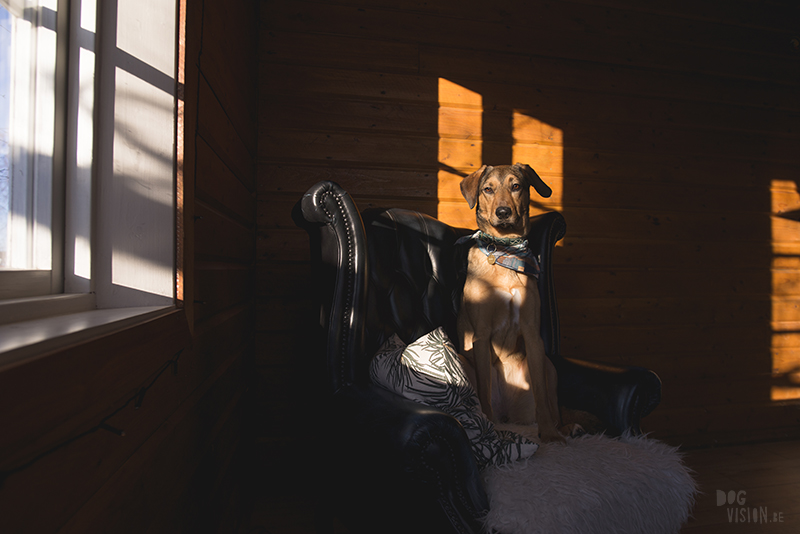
(103, 41)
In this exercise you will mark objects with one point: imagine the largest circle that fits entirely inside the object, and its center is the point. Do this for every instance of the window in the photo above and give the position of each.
(27, 139)
(91, 138)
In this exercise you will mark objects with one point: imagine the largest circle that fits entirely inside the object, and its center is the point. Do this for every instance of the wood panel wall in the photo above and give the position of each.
(221, 133)
(144, 429)
(668, 132)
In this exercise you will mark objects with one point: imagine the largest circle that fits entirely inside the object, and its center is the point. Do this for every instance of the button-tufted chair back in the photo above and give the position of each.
(417, 272)
(416, 275)
(397, 271)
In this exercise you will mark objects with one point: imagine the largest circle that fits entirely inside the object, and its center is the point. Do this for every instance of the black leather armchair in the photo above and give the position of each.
(392, 465)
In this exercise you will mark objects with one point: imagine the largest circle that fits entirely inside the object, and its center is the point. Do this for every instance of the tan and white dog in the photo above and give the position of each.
(499, 319)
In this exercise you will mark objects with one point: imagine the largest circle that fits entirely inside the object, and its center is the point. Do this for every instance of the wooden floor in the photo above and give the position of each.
(768, 474)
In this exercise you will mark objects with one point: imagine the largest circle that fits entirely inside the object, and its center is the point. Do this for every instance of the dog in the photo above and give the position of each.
(499, 318)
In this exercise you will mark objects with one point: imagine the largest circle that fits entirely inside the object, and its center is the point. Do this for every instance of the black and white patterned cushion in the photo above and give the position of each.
(428, 371)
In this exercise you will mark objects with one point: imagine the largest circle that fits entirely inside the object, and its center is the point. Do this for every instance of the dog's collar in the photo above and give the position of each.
(511, 253)
(504, 241)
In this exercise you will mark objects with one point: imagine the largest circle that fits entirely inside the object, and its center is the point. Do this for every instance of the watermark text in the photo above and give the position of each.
(739, 512)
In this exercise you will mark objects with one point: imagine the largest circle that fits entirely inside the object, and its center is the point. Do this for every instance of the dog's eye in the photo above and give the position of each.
(516, 187)
(488, 190)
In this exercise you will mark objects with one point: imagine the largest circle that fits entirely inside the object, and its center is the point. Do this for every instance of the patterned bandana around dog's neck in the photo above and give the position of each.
(511, 253)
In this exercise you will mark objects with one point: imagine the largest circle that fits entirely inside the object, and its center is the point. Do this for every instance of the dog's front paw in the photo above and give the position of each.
(573, 430)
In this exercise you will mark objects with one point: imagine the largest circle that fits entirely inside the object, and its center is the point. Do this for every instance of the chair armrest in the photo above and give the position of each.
(619, 396)
(403, 452)
(339, 263)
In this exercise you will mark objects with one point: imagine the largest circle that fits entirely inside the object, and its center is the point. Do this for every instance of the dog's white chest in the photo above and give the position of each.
(512, 301)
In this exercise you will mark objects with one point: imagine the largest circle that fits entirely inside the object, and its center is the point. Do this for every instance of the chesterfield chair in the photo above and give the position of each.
(390, 464)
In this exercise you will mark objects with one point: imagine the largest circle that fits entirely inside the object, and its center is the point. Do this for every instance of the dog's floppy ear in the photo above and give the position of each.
(470, 184)
(533, 179)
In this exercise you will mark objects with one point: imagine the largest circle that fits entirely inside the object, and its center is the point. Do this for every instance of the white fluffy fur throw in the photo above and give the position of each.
(593, 484)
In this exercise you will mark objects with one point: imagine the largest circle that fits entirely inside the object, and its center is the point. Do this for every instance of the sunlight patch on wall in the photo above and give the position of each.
(460, 149)
(785, 290)
(541, 146)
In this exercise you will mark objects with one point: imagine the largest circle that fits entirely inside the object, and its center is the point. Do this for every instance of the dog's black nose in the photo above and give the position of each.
(503, 212)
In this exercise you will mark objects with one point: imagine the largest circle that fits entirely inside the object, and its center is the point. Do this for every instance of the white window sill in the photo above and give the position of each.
(27, 309)
(25, 340)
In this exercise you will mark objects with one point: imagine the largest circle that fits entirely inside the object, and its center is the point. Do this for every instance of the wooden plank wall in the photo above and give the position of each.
(221, 133)
(668, 131)
(175, 386)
